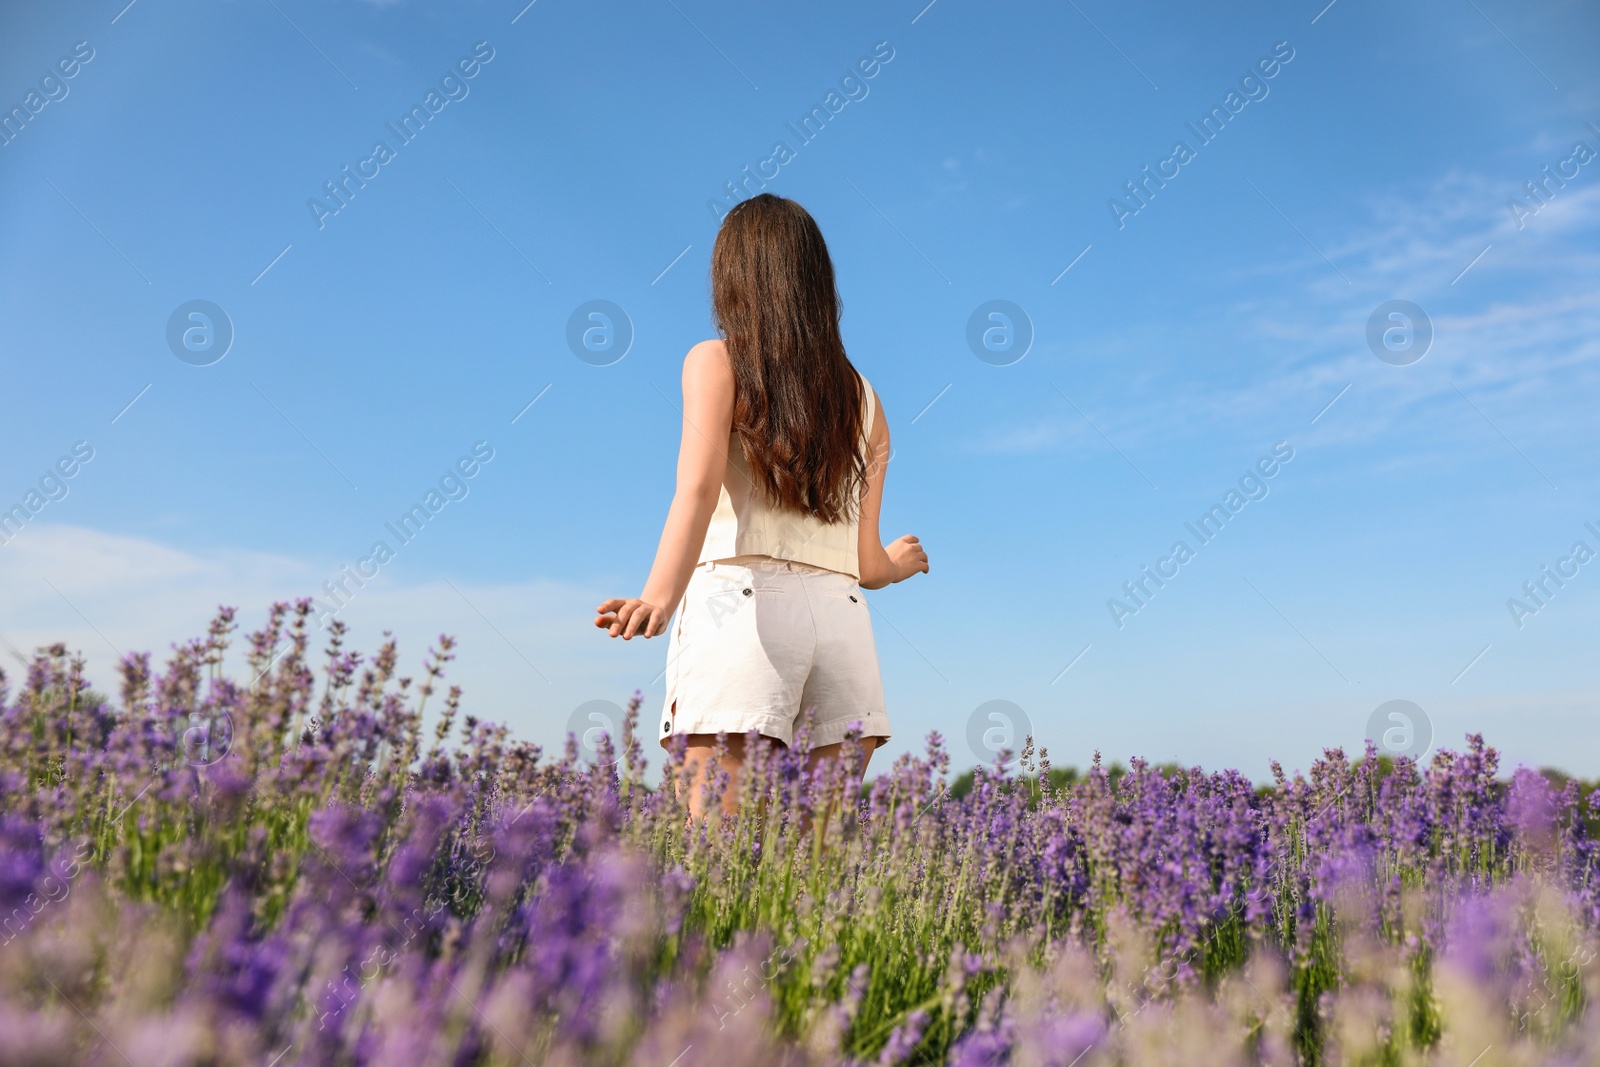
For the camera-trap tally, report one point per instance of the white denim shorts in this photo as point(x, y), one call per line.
point(759, 641)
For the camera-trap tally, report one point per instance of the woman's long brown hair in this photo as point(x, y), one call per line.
point(797, 399)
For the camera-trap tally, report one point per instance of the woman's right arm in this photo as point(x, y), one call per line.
point(708, 397)
point(882, 564)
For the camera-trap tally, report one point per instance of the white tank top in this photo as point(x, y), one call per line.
point(745, 524)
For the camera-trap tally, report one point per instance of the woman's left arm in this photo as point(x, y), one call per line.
point(708, 395)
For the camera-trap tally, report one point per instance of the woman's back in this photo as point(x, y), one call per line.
point(747, 522)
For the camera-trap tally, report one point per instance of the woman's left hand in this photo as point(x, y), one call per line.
point(631, 618)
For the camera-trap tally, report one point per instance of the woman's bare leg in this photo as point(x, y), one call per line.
point(700, 760)
point(819, 756)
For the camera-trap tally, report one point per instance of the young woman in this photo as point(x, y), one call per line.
point(773, 529)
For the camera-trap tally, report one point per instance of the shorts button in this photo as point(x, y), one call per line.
point(747, 592)
point(853, 600)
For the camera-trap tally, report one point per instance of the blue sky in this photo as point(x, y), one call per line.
point(373, 347)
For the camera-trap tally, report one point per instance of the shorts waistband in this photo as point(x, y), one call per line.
point(767, 565)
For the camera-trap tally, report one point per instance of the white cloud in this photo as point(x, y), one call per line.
point(1041, 435)
point(1518, 333)
point(106, 594)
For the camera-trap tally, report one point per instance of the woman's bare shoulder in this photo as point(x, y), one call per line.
point(706, 368)
point(708, 356)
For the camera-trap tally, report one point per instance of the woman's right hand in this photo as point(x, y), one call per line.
point(907, 556)
point(630, 618)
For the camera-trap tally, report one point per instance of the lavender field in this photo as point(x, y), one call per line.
point(287, 868)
